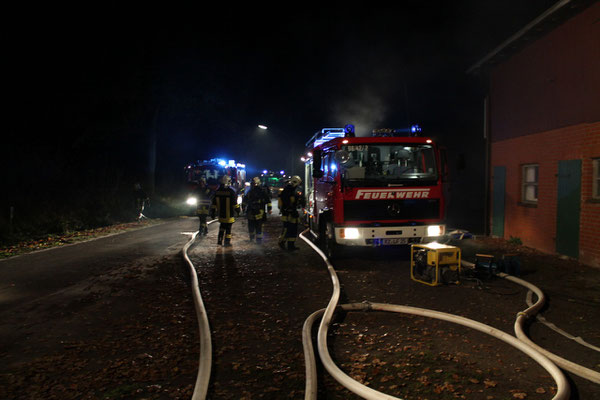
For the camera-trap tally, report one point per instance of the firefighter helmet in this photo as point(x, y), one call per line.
point(226, 180)
point(256, 181)
point(295, 181)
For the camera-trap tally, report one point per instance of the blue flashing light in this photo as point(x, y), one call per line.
point(282, 172)
point(333, 167)
point(265, 171)
point(222, 163)
point(413, 130)
point(329, 133)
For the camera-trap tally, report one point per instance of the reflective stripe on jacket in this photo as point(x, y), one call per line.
point(204, 200)
point(225, 204)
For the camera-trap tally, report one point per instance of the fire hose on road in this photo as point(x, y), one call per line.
point(563, 389)
point(530, 312)
point(205, 359)
point(544, 358)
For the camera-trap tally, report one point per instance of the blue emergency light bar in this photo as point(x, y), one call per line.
point(325, 135)
point(219, 161)
point(413, 130)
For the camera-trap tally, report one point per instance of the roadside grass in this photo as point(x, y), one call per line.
point(57, 240)
point(57, 226)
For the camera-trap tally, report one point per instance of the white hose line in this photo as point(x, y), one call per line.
point(563, 389)
point(310, 363)
point(334, 371)
point(531, 311)
point(543, 320)
point(521, 320)
point(562, 384)
point(205, 358)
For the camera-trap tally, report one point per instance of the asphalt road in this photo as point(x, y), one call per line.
point(116, 310)
point(32, 276)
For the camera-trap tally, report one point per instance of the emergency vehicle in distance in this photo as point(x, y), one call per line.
point(212, 170)
point(386, 189)
point(274, 181)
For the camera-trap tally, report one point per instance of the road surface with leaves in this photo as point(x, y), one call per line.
point(130, 331)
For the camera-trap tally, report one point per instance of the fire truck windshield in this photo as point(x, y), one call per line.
point(209, 172)
point(396, 163)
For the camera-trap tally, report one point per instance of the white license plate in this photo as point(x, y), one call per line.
point(393, 241)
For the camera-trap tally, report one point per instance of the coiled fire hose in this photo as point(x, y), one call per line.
point(356, 387)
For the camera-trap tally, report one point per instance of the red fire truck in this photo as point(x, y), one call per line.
point(386, 189)
point(212, 170)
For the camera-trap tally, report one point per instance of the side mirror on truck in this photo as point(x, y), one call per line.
point(342, 157)
point(316, 165)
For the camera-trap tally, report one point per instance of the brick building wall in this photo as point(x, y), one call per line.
point(536, 225)
point(544, 107)
point(551, 83)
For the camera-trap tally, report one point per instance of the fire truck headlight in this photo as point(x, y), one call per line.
point(435, 230)
point(191, 201)
point(350, 233)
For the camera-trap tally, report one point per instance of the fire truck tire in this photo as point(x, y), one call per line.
point(330, 247)
point(321, 236)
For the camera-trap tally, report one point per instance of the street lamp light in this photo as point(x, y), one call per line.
point(263, 127)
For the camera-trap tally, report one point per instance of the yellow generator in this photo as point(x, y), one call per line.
point(434, 264)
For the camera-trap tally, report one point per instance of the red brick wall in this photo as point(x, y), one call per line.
point(536, 226)
point(551, 83)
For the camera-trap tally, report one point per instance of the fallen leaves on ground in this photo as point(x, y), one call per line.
point(56, 240)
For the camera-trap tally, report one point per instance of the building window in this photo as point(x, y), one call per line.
point(596, 179)
point(529, 184)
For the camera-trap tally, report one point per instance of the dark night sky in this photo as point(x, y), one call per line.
point(90, 83)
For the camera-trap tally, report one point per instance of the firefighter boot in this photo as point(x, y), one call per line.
point(291, 246)
point(220, 238)
point(282, 245)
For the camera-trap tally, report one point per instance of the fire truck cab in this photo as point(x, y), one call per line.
point(386, 189)
point(212, 170)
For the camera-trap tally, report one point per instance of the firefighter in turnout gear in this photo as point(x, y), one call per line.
point(203, 208)
point(289, 201)
point(225, 208)
point(254, 203)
